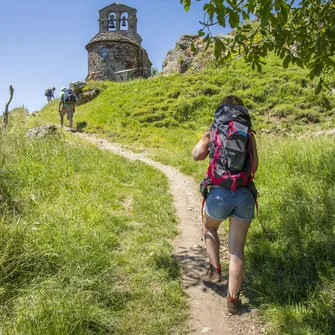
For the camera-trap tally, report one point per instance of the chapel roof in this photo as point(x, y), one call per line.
point(111, 36)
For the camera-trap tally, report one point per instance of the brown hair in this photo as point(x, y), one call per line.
point(232, 100)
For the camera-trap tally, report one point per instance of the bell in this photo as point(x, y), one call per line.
point(124, 24)
point(111, 22)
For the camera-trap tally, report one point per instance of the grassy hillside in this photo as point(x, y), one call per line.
point(290, 258)
point(153, 113)
point(280, 100)
point(84, 241)
point(290, 248)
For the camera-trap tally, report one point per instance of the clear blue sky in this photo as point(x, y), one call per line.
point(43, 42)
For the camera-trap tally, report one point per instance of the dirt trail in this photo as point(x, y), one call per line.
point(207, 304)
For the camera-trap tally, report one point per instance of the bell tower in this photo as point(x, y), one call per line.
point(115, 53)
point(120, 19)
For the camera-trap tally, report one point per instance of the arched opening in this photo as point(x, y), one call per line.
point(112, 22)
point(124, 21)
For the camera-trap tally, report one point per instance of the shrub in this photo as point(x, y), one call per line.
point(95, 85)
point(309, 115)
point(152, 117)
point(168, 123)
point(284, 110)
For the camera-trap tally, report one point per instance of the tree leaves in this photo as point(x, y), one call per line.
point(303, 35)
point(318, 86)
point(330, 61)
point(284, 12)
point(265, 13)
point(245, 15)
point(318, 69)
point(234, 19)
point(187, 4)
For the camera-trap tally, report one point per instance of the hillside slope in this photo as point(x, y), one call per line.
point(153, 113)
point(290, 267)
point(278, 99)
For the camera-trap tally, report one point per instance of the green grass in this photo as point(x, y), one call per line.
point(84, 242)
point(290, 258)
point(290, 249)
point(278, 99)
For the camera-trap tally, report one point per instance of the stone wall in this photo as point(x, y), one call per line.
point(145, 62)
point(119, 56)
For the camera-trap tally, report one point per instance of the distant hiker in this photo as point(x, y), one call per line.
point(50, 93)
point(232, 151)
point(67, 105)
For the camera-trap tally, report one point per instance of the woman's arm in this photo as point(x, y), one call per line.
point(201, 150)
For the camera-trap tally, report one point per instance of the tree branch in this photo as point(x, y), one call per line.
point(5, 120)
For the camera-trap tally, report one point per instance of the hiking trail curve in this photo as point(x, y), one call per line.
point(208, 313)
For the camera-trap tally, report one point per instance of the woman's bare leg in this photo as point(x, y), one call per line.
point(237, 234)
point(212, 241)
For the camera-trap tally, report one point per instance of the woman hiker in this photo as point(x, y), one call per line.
point(228, 196)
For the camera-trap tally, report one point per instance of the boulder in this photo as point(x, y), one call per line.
point(83, 98)
point(77, 86)
point(179, 59)
point(43, 131)
point(182, 57)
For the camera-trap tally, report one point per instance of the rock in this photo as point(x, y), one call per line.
point(182, 57)
point(185, 41)
point(77, 86)
point(205, 330)
point(83, 98)
point(43, 131)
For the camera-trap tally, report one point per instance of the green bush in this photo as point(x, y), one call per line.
point(284, 110)
point(308, 115)
point(168, 123)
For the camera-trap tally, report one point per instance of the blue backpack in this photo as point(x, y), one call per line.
point(48, 92)
point(69, 97)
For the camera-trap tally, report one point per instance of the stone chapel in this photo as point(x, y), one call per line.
point(115, 53)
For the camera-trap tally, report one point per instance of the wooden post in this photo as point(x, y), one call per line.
point(5, 119)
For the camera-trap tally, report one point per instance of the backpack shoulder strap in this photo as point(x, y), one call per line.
point(251, 154)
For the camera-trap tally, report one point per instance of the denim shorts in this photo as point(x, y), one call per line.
point(222, 203)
